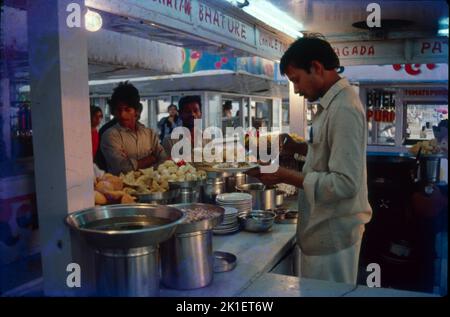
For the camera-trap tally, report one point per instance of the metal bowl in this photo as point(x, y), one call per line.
point(257, 220)
point(161, 198)
point(287, 217)
point(224, 261)
point(202, 225)
point(125, 226)
point(188, 184)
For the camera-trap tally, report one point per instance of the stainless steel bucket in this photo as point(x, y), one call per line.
point(263, 197)
point(189, 195)
point(187, 260)
point(430, 168)
point(234, 180)
point(212, 188)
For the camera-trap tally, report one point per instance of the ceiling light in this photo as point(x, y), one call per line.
point(93, 21)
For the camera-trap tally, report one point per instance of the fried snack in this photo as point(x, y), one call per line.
point(100, 199)
point(127, 199)
point(114, 195)
point(128, 179)
point(129, 191)
point(114, 180)
point(427, 147)
point(104, 187)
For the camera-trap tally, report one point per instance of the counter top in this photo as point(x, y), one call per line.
point(277, 285)
point(256, 254)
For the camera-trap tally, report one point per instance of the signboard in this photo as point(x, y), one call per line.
point(392, 51)
point(441, 92)
point(269, 43)
point(206, 21)
point(214, 20)
point(220, 26)
point(397, 73)
point(430, 48)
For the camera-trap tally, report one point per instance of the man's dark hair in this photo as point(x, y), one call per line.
point(303, 51)
point(94, 109)
point(125, 92)
point(188, 99)
point(172, 106)
point(227, 105)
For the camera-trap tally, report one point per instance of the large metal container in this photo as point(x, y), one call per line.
point(125, 239)
point(430, 167)
point(263, 197)
point(187, 258)
point(190, 195)
point(234, 180)
point(212, 188)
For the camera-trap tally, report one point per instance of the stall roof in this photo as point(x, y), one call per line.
point(408, 32)
point(216, 80)
point(213, 25)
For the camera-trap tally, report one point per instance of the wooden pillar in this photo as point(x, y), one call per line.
point(61, 132)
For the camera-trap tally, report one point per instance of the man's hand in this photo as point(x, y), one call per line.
point(288, 146)
point(146, 161)
point(282, 175)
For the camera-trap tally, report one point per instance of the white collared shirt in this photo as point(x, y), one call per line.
point(334, 203)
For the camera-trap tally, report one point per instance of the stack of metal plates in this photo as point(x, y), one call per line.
point(230, 222)
point(233, 203)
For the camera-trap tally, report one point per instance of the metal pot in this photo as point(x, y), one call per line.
point(187, 260)
point(279, 198)
point(233, 180)
point(212, 188)
point(125, 239)
point(263, 197)
point(189, 195)
point(430, 168)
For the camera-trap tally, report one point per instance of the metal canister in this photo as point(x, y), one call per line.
point(190, 195)
point(263, 197)
point(430, 168)
point(234, 180)
point(212, 188)
point(187, 260)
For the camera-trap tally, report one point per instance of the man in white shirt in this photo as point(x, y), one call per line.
point(333, 201)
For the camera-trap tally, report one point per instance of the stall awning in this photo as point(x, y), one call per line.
point(217, 80)
point(211, 25)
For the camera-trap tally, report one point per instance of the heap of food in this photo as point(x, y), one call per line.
point(429, 147)
point(195, 214)
point(110, 189)
point(147, 181)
